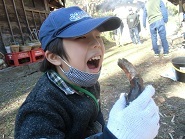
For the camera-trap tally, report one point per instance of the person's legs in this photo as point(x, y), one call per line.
point(162, 34)
point(117, 36)
point(153, 32)
point(137, 35)
point(121, 28)
point(121, 34)
point(132, 35)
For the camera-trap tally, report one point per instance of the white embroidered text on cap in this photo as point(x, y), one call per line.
point(78, 15)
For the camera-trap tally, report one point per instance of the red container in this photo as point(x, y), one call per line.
point(37, 54)
point(19, 58)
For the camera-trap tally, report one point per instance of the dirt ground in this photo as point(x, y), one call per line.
point(170, 95)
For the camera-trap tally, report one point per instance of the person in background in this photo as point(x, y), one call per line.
point(118, 34)
point(183, 21)
point(65, 102)
point(157, 15)
point(133, 22)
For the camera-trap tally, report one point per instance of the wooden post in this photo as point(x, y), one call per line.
point(25, 15)
point(2, 37)
point(8, 20)
point(34, 20)
point(46, 6)
point(18, 21)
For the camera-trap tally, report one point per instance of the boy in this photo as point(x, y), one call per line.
point(65, 101)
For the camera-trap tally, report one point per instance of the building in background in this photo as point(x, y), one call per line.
point(20, 20)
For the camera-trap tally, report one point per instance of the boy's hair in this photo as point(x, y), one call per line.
point(55, 47)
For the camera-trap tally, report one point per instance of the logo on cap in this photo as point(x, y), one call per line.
point(78, 15)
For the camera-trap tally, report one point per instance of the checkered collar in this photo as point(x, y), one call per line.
point(59, 82)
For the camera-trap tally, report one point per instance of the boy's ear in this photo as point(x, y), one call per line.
point(53, 58)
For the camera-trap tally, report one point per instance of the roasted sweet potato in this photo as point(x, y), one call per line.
point(136, 82)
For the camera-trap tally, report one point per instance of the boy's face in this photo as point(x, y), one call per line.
point(85, 52)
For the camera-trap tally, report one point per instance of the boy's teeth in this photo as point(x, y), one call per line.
point(95, 58)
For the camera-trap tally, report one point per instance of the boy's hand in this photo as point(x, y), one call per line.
point(139, 120)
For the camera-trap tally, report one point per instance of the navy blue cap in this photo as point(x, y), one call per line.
point(72, 22)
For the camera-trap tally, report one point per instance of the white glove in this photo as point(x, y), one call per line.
point(139, 120)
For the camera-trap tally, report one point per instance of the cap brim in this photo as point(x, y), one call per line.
point(87, 25)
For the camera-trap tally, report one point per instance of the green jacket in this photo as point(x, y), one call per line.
point(154, 10)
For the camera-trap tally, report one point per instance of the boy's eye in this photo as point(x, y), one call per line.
point(81, 37)
point(98, 37)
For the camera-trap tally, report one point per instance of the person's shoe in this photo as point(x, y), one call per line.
point(139, 43)
point(156, 55)
point(166, 55)
point(134, 43)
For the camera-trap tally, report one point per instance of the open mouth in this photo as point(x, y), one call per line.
point(93, 62)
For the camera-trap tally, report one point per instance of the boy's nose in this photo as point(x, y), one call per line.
point(96, 43)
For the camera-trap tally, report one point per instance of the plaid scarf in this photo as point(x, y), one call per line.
point(59, 82)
